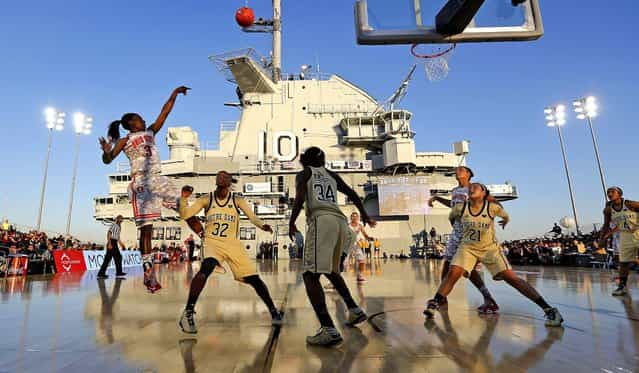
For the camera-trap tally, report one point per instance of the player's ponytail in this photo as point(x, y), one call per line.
point(114, 130)
point(114, 127)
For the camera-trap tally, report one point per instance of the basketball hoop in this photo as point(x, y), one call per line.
point(435, 63)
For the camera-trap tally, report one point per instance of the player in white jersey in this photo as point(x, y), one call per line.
point(625, 216)
point(459, 195)
point(327, 237)
point(357, 251)
point(149, 191)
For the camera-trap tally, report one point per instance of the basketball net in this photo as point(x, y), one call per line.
point(435, 63)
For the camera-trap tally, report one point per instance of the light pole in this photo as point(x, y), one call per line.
point(586, 108)
point(556, 117)
point(83, 125)
point(55, 121)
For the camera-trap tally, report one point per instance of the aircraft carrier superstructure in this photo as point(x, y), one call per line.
point(364, 141)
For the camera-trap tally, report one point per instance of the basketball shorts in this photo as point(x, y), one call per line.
point(233, 254)
point(358, 253)
point(628, 247)
point(327, 237)
point(148, 194)
point(491, 257)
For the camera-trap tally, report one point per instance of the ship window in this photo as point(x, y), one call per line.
point(247, 233)
point(303, 107)
point(174, 233)
point(158, 233)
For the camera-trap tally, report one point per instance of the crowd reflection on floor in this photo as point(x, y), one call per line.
point(73, 322)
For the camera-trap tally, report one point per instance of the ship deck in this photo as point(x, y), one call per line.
point(73, 323)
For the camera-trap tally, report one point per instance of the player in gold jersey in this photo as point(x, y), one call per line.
point(479, 244)
point(221, 244)
point(625, 215)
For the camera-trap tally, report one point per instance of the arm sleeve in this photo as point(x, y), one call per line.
point(246, 209)
point(187, 211)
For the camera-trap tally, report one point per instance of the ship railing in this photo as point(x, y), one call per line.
point(306, 76)
point(220, 61)
point(348, 109)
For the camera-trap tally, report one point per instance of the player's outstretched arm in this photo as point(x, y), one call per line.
point(187, 211)
point(498, 211)
point(352, 195)
point(443, 201)
point(166, 109)
point(300, 195)
point(248, 211)
point(632, 205)
point(109, 152)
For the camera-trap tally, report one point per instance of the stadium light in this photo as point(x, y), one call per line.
point(556, 117)
point(586, 108)
point(54, 120)
point(82, 124)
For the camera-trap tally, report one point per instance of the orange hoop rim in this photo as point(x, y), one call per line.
point(433, 55)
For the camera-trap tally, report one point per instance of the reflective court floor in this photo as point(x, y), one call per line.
point(74, 323)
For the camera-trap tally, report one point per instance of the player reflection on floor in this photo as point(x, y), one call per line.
point(478, 357)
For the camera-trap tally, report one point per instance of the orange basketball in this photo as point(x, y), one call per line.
point(244, 16)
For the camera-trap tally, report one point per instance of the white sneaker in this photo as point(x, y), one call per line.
point(620, 291)
point(187, 322)
point(325, 337)
point(553, 317)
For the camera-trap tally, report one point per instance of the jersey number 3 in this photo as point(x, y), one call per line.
point(220, 229)
point(324, 192)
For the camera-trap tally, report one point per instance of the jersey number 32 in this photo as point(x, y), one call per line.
point(324, 192)
point(220, 229)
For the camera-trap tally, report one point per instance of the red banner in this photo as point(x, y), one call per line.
point(69, 261)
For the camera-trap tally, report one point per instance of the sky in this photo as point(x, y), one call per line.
point(108, 58)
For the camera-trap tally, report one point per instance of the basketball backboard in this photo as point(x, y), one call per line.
point(413, 21)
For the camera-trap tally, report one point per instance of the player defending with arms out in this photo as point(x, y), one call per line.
point(221, 244)
point(625, 215)
point(149, 190)
point(327, 237)
point(479, 244)
point(459, 196)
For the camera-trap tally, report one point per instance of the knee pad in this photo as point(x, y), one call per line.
point(208, 266)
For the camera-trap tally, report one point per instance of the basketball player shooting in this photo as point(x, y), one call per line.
point(149, 190)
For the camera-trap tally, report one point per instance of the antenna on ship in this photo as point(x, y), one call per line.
point(245, 18)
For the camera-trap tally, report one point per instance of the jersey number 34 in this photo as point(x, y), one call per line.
point(324, 192)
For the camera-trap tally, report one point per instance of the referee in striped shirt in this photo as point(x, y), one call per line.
point(113, 250)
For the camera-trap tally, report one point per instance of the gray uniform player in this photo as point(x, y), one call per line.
point(328, 235)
